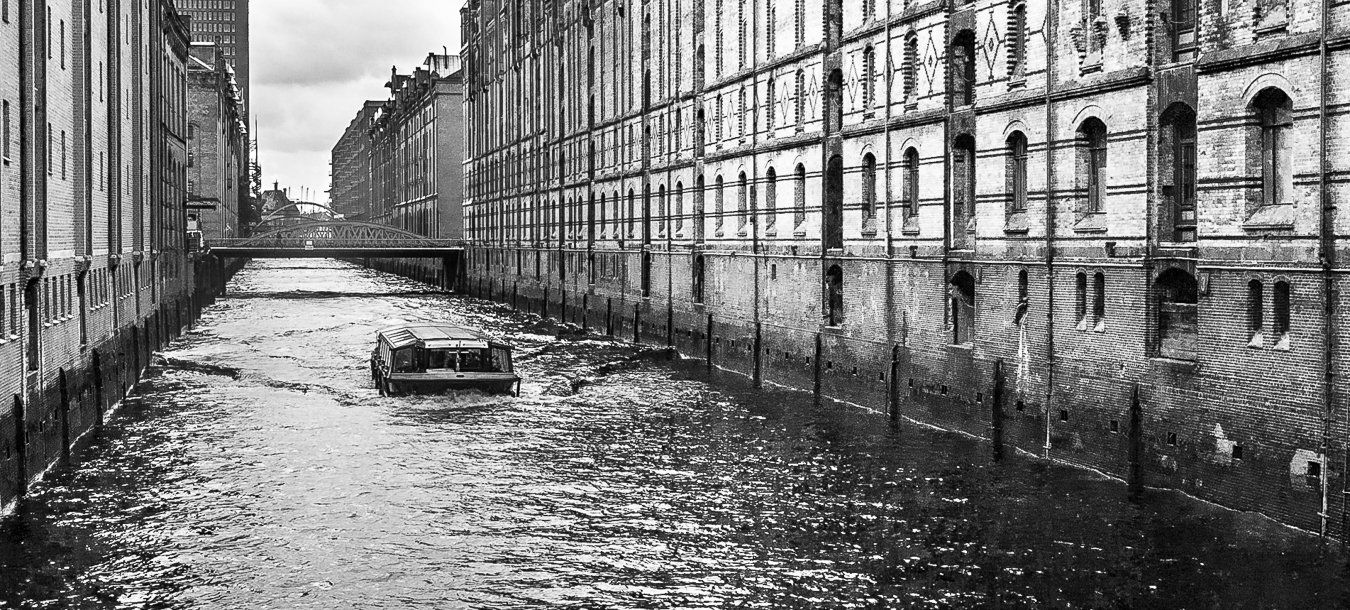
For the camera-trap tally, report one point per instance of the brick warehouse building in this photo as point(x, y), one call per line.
point(94, 269)
point(416, 169)
point(888, 201)
point(217, 144)
point(350, 192)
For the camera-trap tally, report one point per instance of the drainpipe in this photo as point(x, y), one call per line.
point(1328, 260)
point(890, 228)
point(1051, 22)
point(756, 260)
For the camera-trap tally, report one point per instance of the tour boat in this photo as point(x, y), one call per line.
point(429, 358)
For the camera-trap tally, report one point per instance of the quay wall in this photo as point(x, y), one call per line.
point(1138, 221)
point(1228, 430)
point(87, 363)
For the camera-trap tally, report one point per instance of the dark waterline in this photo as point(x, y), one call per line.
point(652, 486)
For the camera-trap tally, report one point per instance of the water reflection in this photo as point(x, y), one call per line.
point(648, 485)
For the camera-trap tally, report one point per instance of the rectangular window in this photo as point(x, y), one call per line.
point(1081, 301)
point(7, 133)
point(1099, 301)
point(912, 182)
point(1282, 314)
point(1255, 312)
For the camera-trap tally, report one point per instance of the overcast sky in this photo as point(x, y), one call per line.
point(315, 61)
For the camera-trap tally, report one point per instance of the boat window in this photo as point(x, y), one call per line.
point(403, 361)
point(501, 360)
point(456, 360)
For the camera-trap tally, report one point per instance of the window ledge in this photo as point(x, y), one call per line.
point(799, 233)
point(1271, 217)
point(1257, 341)
point(1183, 366)
point(1019, 82)
point(1272, 29)
point(1092, 222)
point(1016, 230)
point(967, 347)
point(1099, 328)
point(1283, 344)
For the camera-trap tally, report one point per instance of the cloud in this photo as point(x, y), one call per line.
point(314, 62)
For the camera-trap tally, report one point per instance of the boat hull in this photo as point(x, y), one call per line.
point(416, 383)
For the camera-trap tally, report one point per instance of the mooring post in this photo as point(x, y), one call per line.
point(893, 396)
point(758, 378)
point(819, 370)
point(996, 415)
point(708, 342)
point(1136, 482)
point(65, 416)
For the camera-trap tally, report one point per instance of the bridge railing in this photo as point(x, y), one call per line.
point(301, 243)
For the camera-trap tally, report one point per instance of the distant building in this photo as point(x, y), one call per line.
point(216, 144)
point(415, 161)
point(350, 189)
point(224, 22)
point(168, 157)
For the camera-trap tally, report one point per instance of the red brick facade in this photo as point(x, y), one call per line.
point(1171, 155)
point(95, 274)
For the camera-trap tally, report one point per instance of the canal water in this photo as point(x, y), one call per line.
point(259, 468)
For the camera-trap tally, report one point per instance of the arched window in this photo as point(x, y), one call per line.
point(1017, 41)
point(719, 204)
point(1281, 314)
point(799, 25)
point(602, 222)
point(869, 187)
point(1092, 164)
point(742, 201)
point(770, 106)
point(679, 206)
point(912, 182)
point(962, 308)
point(1178, 319)
point(1023, 296)
point(911, 68)
point(661, 211)
point(869, 78)
point(770, 30)
point(1080, 301)
point(834, 296)
point(700, 211)
point(1256, 312)
point(799, 197)
point(1017, 172)
point(770, 198)
point(1275, 110)
point(1099, 301)
point(632, 212)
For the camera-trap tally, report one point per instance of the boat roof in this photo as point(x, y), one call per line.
point(434, 336)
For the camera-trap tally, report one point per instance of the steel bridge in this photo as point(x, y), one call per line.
point(338, 239)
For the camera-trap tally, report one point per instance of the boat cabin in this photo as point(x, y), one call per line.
point(433, 358)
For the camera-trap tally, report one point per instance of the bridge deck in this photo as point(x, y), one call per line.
point(261, 251)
